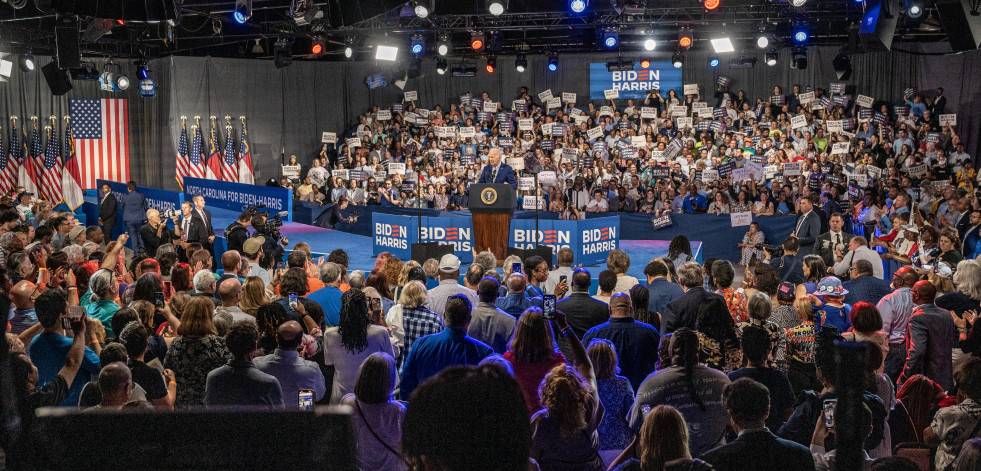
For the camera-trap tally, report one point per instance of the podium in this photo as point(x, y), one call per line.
point(492, 206)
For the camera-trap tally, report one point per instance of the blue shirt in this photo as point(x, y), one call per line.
point(836, 317)
point(22, 320)
point(636, 346)
point(48, 352)
point(329, 298)
point(431, 354)
point(691, 204)
point(662, 292)
point(515, 304)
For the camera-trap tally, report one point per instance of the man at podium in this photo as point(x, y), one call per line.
point(497, 172)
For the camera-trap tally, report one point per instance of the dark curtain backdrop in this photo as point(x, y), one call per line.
point(288, 109)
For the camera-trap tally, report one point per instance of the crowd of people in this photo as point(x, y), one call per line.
point(709, 365)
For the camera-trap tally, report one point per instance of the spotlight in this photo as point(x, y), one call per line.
point(243, 11)
point(148, 89)
point(122, 82)
point(914, 8)
point(418, 44)
point(649, 44)
point(283, 52)
point(645, 64)
point(714, 62)
point(678, 59)
point(798, 3)
point(520, 63)
point(609, 38)
point(386, 53)
point(349, 43)
point(26, 62)
point(685, 37)
point(443, 46)
point(491, 64)
point(113, 82)
point(477, 41)
point(497, 7)
point(141, 71)
point(422, 8)
point(843, 66)
point(577, 6)
point(771, 57)
point(763, 39)
point(553, 62)
point(317, 45)
point(440, 66)
point(348, 52)
point(6, 67)
point(800, 33)
point(722, 45)
point(711, 4)
point(799, 57)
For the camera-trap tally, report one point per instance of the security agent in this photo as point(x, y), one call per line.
point(332, 215)
point(237, 232)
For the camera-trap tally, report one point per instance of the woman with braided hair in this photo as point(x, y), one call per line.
point(349, 344)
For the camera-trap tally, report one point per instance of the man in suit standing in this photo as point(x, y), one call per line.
point(963, 221)
point(682, 312)
point(497, 172)
point(748, 404)
point(832, 241)
point(930, 337)
point(940, 102)
point(863, 285)
point(192, 229)
point(972, 237)
point(134, 215)
point(582, 311)
point(208, 237)
point(808, 227)
point(107, 211)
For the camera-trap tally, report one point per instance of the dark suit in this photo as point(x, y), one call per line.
point(866, 288)
point(582, 313)
point(760, 450)
point(807, 228)
point(196, 231)
point(107, 214)
point(824, 246)
point(963, 224)
point(683, 312)
point(209, 230)
point(505, 174)
point(939, 104)
point(930, 336)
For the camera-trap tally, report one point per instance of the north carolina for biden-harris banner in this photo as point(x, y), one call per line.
point(591, 240)
point(660, 75)
point(235, 196)
point(396, 234)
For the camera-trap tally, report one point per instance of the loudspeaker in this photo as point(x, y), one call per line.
point(878, 27)
point(57, 78)
point(66, 38)
point(963, 28)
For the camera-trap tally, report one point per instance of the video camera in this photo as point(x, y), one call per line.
point(253, 209)
point(774, 250)
point(170, 214)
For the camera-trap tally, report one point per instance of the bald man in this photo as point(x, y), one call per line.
point(23, 295)
point(156, 233)
point(116, 386)
point(930, 338)
point(294, 373)
point(896, 309)
point(497, 172)
point(230, 294)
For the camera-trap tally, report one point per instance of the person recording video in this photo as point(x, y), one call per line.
point(237, 232)
point(332, 215)
point(156, 233)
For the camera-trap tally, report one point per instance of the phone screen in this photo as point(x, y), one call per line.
point(829, 412)
point(293, 300)
point(281, 266)
point(306, 399)
point(168, 288)
point(563, 278)
point(548, 306)
point(159, 301)
point(516, 267)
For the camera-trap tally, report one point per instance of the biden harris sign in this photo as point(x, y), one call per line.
point(660, 75)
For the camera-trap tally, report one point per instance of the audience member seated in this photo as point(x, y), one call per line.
point(631, 338)
point(377, 418)
point(240, 383)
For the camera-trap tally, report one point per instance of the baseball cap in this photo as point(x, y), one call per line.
point(786, 291)
point(252, 245)
point(449, 263)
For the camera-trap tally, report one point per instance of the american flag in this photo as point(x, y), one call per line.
point(53, 168)
point(213, 160)
point(183, 166)
point(102, 139)
point(196, 170)
point(8, 162)
point(245, 173)
point(27, 176)
point(228, 164)
point(71, 182)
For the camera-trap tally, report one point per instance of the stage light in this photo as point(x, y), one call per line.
point(477, 41)
point(6, 67)
point(26, 62)
point(148, 89)
point(553, 62)
point(800, 33)
point(317, 45)
point(283, 52)
point(714, 62)
point(141, 70)
point(843, 66)
point(440, 66)
point(722, 45)
point(443, 46)
point(422, 8)
point(762, 39)
point(577, 6)
point(644, 64)
point(520, 63)
point(798, 57)
point(491, 64)
point(914, 8)
point(122, 82)
point(349, 43)
point(711, 4)
point(418, 44)
point(685, 37)
point(771, 57)
point(243, 11)
point(609, 38)
point(678, 59)
point(798, 3)
point(386, 53)
point(497, 7)
point(649, 44)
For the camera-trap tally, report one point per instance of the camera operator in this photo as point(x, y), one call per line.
point(789, 267)
point(268, 228)
point(332, 215)
point(156, 233)
point(237, 232)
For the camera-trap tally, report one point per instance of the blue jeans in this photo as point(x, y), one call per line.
point(133, 228)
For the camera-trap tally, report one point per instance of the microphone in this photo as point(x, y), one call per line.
point(282, 214)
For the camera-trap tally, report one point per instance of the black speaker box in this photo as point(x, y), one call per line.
point(57, 78)
point(69, 55)
point(963, 29)
point(878, 26)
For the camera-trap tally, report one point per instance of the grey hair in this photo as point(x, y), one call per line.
point(967, 278)
point(203, 280)
point(7, 238)
point(690, 274)
point(331, 273)
point(165, 248)
point(356, 279)
point(74, 254)
point(759, 306)
point(89, 247)
point(508, 263)
point(101, 284)
point(498, 359)
point(486, 259)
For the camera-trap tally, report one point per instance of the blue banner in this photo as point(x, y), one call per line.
point(598, 237)
point(454, 231)
point(394, 234)
point(160, 200)
point(556, 234)
point(235, 196)
point(660, 75)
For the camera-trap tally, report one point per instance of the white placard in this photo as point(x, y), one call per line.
point(691, 89)
point(411, 96)
point(638, 141)
point(569, 153)
point(547, 177)
point(806, 98)
point(329, 138)
point(697, 105)
point(918, 170)
point(545, 95)
point(293, 171)
point(647, 112)
point(554, 102)
point(679, 110)
point(384, 115)
point(340, 173)
point(683, 122)
point(861, 180)
point(396, 168)
point(770, 171)
point(580, 118)
point(611, 94)
point(798, 121)
point(353, 142)
point(445, 131)
point(874, 172)
point(741, 174)
point(526, 183)
point(595, 133)
point(836, 125)
point(526, 124)
point(839, 148)
point(516, 163)
point(490, 106)
point(864, 101)
point(529, 202)
point(744, 218)
point(755, 170)
point(710, 175)
point(547, 128)
point(468, 132)
point(939, 185)
point(606, 110)
point(791, 169)
point(704, 112)
point(568, 97)
point(946, 119)
point(423, 112)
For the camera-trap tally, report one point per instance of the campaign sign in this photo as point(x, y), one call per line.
point(744, 218)
point(950, 118)
point(556, 234)
point(411, 96)
point(791, 169)
point(660, 75)
point(598, 237)
point(161, 200)
point(455, 231)
point(798, 121)
point(661, 222)
point(232, 196)
point(329, 138)
point(395, 234)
